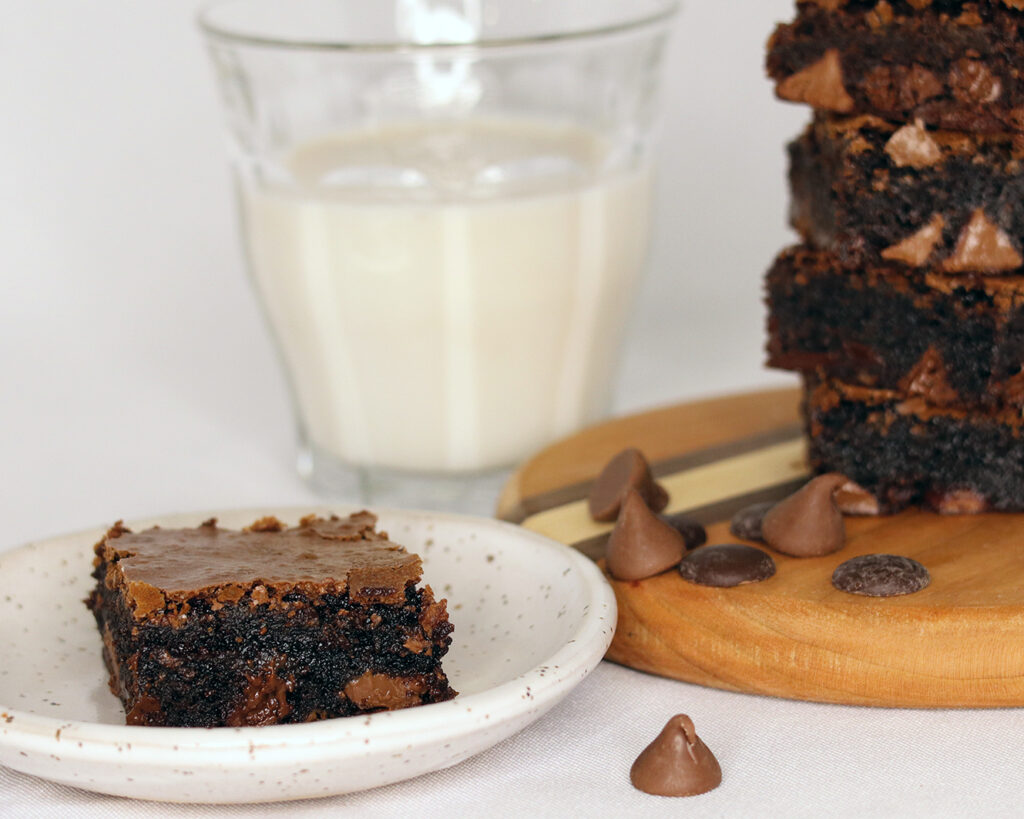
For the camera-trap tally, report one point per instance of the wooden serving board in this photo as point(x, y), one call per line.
point(957, 643)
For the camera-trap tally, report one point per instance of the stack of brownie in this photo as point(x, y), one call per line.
point(904, 307)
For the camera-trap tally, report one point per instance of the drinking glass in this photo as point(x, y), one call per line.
point(445, 208)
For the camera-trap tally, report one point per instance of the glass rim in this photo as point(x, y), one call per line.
point(227, 34)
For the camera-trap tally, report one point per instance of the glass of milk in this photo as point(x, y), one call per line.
point(445, 208)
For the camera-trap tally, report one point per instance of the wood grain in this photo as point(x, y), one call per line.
point(957, 643)
point(661, 434)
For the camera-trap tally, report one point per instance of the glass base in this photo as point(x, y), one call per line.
point(474, 493)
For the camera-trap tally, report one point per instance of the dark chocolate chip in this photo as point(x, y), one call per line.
point(880, 576)
point(746, 523)
point(693, 533)
point(730, 564)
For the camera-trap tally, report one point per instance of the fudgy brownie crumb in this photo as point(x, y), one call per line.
point(874, 192)
point(950, 339)
point(904, 451)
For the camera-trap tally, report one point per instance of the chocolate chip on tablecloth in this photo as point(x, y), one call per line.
point(677, 763)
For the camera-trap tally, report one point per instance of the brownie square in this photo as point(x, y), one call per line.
point(873, 192)
point(951, 339)
point(951, 63)
point(213, 627)
point(905, 451)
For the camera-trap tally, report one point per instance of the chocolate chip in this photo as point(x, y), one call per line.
point(880, 576)
point(854, 499)
point(677, 763)
point(746, 523)
point(627, 470)
point(642, 545)
point(807, 523)
point(693, 533)
point(957, 502)
point(973, 83)
point(730, 564)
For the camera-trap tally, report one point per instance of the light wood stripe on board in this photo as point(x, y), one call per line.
point(693, 488)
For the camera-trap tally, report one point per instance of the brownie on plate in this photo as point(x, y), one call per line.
point(951, 63)
point(905, 451)
point(874, 191)
point(215, 627)
point(954, 340)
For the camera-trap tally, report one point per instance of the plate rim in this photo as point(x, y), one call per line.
point(575, 659)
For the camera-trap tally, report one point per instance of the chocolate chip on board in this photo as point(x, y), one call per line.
point(693, 533)
point(627, 470)
point(807, 523)
point(880, 576)
point(727, 565)
point(641, 544)
point(746, 523)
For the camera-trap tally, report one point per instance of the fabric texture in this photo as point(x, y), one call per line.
point(778, 758)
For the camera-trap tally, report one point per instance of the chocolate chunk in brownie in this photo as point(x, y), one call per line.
point(872, 192)
point(212, 627)
point(906, 451)
point(951, 63)
point(950, 339)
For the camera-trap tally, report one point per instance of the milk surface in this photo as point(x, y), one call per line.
point(448, 297)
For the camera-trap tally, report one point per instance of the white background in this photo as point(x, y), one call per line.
point(136, 379)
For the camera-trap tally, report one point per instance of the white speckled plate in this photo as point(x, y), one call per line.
point(532, 619)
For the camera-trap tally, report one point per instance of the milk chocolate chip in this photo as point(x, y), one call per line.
point(958, 502)
point(677, 763)
point(912, 146)
point(642, 545)
point(820, 84)
point(917, 248)
point(747, 522)
point(983, 247)
point(627, 470)
point(854, 499)
point(928, 379)
point(880, 576)
point(808, 523)
point(881, 15)
point(972, 82)
point(728, 565)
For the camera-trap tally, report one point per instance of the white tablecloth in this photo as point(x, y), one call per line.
point(778, 758)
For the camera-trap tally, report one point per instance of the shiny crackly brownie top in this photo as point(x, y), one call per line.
point(161, 569)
